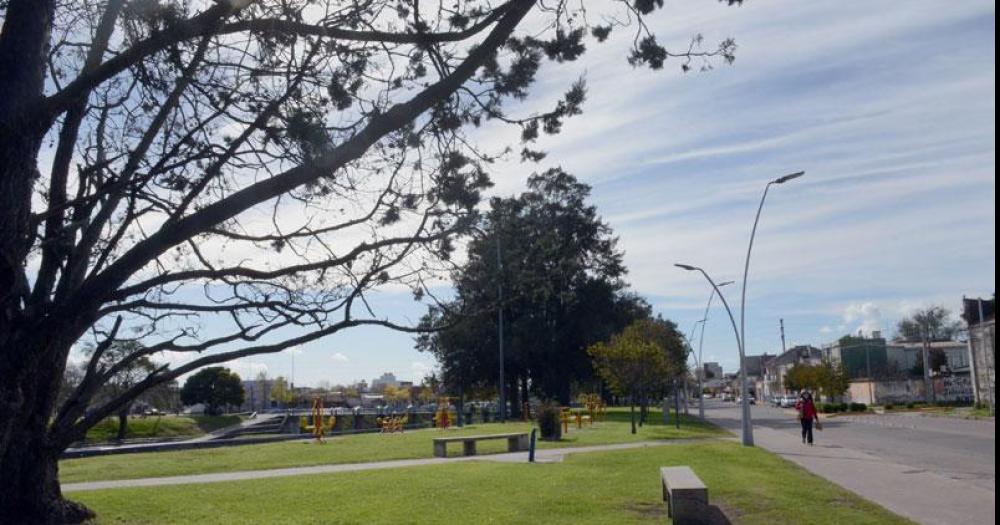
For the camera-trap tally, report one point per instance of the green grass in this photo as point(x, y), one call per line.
point(359, 448)
point(751, 485)
point(160, 426)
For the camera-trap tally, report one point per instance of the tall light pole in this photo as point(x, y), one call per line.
point(503, 398)
point(701, 343)
point(747, 427)
point(743, 291)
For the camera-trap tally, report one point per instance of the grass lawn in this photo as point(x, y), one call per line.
point(359, 448)
point(751, 485)
point(160, 426)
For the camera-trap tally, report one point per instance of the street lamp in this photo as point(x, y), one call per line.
point(701, 342)
point(746, 271)
point(747, 428)
point(502, 409)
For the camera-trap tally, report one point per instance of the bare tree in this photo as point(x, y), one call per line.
point(260, 163)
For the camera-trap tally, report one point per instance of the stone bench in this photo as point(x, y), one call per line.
point(516, 441)
point(686, 496)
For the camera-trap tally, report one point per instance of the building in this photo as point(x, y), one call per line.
point(257, 395)
point(980, 316)
point(755, 373)
point(386, 379)
point(777, 368)
point(712, 371)
point(904, 357)
point(862, 357)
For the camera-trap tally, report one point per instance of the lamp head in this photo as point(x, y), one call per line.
point(687, 267)
point(790, 176)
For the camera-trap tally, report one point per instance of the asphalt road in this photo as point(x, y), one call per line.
point(930, 469)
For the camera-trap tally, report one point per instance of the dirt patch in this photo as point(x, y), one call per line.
point(650, 511)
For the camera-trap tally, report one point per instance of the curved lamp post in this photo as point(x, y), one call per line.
point(701, 343)
point(746, 271)
point(747, 427)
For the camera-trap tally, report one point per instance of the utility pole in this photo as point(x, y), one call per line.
point(925, 353)
point(782, 323)
point(502, 385)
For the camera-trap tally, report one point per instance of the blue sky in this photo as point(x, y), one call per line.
point(888, 107)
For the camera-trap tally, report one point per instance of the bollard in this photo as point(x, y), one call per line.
point(531, 447)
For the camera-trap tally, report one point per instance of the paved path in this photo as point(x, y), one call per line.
point(931, 470)
point(549, 455)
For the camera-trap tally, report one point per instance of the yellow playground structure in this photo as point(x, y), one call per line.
point(316, 423)
point(444, 416)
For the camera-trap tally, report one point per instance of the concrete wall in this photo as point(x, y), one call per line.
point(953, 388)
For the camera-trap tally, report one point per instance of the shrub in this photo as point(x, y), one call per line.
point(889, 406)
point(858, 407)
point(548, 422)
point(910, 405)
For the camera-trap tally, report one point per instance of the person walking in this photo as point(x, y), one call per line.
point(807, 415)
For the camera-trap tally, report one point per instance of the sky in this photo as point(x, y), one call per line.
point(889, 108)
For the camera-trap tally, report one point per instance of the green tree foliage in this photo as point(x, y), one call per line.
point(282, 393)
point(561, 276)
point(215, 386)
point(934, 323)
point(640, 360)
point(826, 378)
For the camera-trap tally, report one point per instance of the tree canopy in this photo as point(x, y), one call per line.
point(641, 360)
point(934, 323)
point(826, 378)
point(215, 386)
point(560, 275)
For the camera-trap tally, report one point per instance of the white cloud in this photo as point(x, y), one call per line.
point(339, 357)
point(421, 370)
point(866, 317)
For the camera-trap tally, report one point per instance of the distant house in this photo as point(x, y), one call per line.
point(755, 373)
point(776, 369)
point(980, 316)
point(905, 356)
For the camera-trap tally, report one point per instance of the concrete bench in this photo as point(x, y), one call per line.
point(686, 496)
point(515, 442)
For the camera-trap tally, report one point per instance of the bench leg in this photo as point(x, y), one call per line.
point(469, 448)
point(440, 450)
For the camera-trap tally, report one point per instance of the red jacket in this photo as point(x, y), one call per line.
point(807, 409)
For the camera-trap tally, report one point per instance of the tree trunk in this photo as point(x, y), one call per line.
point(29, 454)
point(631, 402)
point(513, 398)
point(31, 493)
point(122, 422)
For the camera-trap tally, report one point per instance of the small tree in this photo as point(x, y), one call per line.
point(633, 363)
point(214, 386)
point(281, 392)
point(833, 379)
point(930, 324)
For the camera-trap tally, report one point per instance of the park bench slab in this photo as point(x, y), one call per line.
point(686, 495)
point(516, 441)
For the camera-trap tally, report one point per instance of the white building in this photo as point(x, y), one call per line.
point(387, 379)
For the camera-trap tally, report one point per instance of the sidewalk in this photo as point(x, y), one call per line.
point(923, 496)
point(550, 455)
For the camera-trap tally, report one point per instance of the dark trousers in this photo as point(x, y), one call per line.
point(807, 430)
